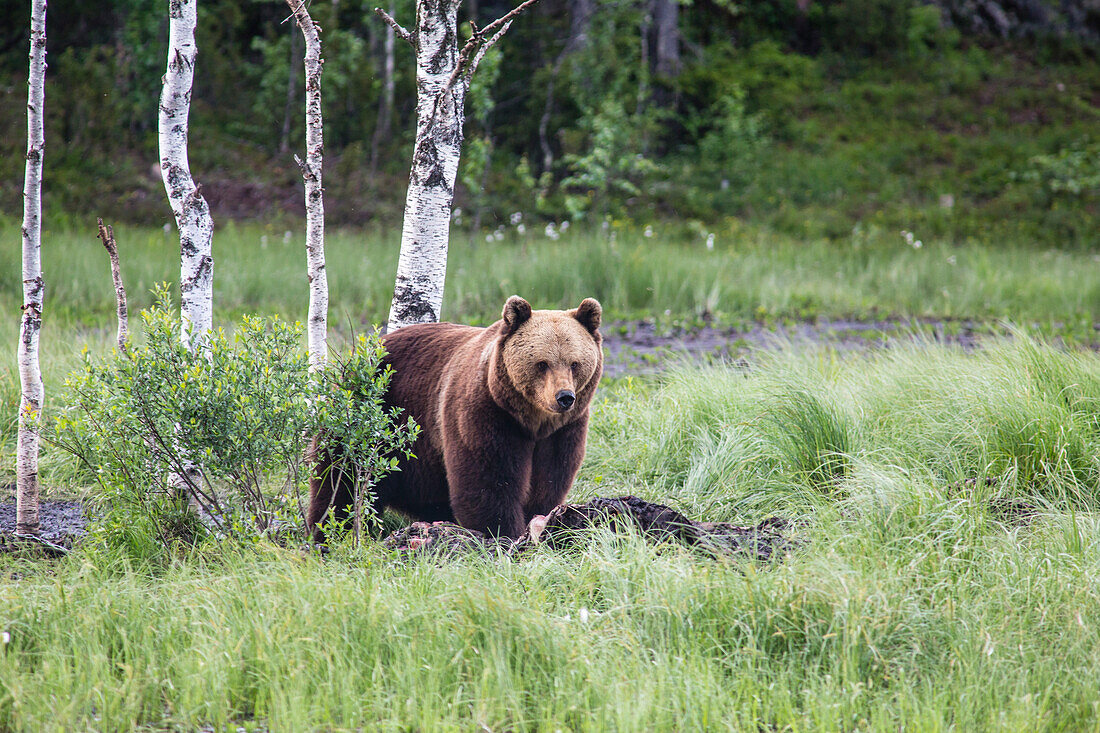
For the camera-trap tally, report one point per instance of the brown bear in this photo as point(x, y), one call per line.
point(503, 413)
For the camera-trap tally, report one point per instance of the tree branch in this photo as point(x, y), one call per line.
point(398, 29)
point(107, 234)
point(489, 44)
point(505, 19)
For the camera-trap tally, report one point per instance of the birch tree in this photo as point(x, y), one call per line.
point(190, 209)
point(443, 74)
point(317, 318)
point(30, 375)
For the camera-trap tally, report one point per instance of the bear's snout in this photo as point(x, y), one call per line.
point(565, 398)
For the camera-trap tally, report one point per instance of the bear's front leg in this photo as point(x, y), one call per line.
point(554, 465)
point(488, 482)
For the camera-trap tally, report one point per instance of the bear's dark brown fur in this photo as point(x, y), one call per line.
point(503, 413)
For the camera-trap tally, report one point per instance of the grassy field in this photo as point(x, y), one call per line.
point(918, 599)
point(750, 272)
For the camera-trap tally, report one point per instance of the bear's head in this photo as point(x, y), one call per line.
point(553, 359)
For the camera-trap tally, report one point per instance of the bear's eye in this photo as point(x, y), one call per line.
point(542, 366)
point(575, 365)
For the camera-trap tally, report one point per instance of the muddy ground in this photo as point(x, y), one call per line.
point(636, 348)
point(63, 523)
point(644, 347)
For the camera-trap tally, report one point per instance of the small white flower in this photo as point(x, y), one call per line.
point(647, 232)
point(710, 241)
point(168, 228)
point(263, 242)
point(516, 218)
point(951, 260)
point(520, 229)
point(287, 236)
point(565, 225)
point(488, 237)
point(457, 213)
point(582, 615)
point(551, 232)
point(5, 638)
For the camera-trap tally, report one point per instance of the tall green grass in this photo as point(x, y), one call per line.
point(750, 273)
point(806, 428)
point(921, 617)
point(912, 604)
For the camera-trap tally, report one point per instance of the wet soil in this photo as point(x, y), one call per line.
point(62, 524)
point(644, 347)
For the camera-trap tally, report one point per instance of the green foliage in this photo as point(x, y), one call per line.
point(351, 415)
point(224, 429)
point(1072, 171)
point(819, 117)
point(925, 32)
point(731, 150)
point(613, 172)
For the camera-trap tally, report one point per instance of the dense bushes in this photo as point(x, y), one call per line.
point(163, 431)
point(779, 113)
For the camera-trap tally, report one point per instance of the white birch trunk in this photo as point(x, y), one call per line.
point(442, 80)
point(317, 318)
point(191, 211)
point(30, 375)
point(425, 231)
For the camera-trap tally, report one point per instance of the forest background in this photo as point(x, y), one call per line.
point(823, 120)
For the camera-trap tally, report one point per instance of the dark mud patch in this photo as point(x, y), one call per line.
point(561, 529)
point(644, 347)
point(62, 524)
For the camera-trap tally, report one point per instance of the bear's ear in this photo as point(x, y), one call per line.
point(516, 312)
point(589, 313)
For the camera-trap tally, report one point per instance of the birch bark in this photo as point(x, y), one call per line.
point(317, 318)
point(442, 80)
point(30, 375)
point(425, 231)
point(191, 211)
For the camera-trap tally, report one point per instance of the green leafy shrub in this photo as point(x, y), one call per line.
point(613, 171)
point(1073, 170)
point(351, 415)
point(223, 430)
